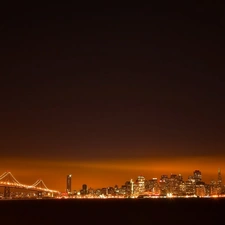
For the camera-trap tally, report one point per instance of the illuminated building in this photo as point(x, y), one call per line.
point(152, 186)
point(111, 191)
point(116, 189)
point(155, 190)
point(164, 178)
point(200, 189)
point(136, 188)
point(141, 184)
point(84, 190)
point(207, 189)
point(182, 189)
point(219, 183)
point(164, 185)
point(179, 177)
point(219, 178)
point(69, 183)
point(173, 176)
point(213, 188)
point(131, 187)
point(191, 178)
point(98, 192)
point(128, 187)
point(91, 191)
point(197, 176)
point(123, 190)
point(174, 183)
point(190, 186)
point(104, 191)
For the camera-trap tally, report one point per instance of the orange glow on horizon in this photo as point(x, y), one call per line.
point(104, 173)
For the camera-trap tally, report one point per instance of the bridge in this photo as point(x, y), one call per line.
point(8, 181)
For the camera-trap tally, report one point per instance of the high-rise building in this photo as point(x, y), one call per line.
point(111, 191)
point(182, 189)
point(84, 189)
point(197, 176)
point(213, 188)
point(174, 183)
point(219, 177)
point(131, 186)
point(200, 189)
point(219, 183)
point(190, 186)
point(69, 183)
point(164, 184)
point(164, 178)
point(154, 186)
point(90, 191)
point(141, 183)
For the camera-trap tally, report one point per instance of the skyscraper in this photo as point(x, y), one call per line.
point(141, 183)
point(69, 183)
point(84, 189)
point(219, 177)
point(197, 176)
point(131, 187)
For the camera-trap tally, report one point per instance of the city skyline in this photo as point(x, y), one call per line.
point(110, 173)
point(107, 93)
point(167, 186)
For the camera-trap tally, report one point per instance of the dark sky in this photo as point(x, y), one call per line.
point(100, 81)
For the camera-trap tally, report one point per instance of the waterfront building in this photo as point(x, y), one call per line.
point(213, 188)
point(98, 192)
point(174, 183)
point(129, 187)
point(200, 189)
point(111, 191)
point(104, 191)
point(69, 184)
point(84, 190)
point(91, 191)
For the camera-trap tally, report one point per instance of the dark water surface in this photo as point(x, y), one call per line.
point(120, 211)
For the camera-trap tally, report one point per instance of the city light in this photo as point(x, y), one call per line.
point(173, 186)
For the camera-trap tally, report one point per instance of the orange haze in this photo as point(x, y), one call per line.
point(107, 172)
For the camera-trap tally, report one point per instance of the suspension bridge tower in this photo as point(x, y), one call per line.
point(8, 180)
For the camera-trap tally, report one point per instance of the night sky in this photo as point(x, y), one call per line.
point(111, 92)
